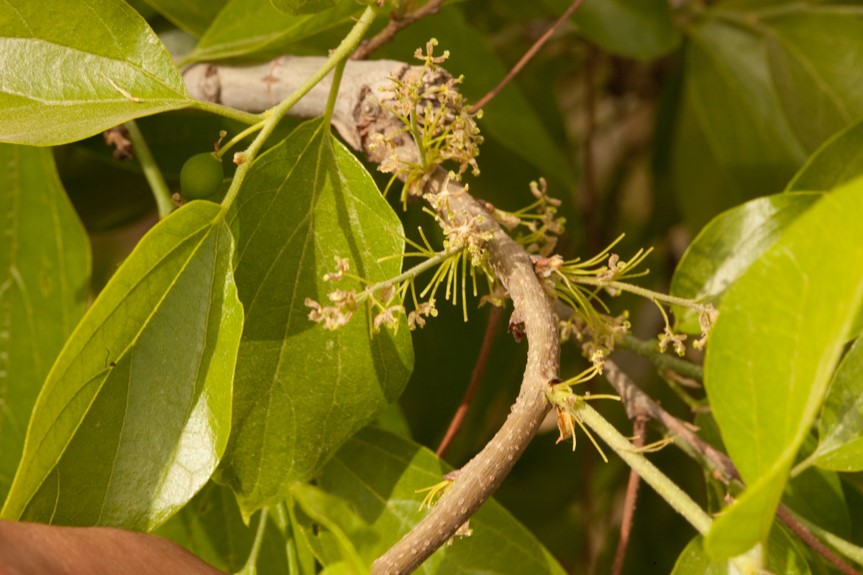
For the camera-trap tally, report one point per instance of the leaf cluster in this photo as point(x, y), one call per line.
point(189, 394)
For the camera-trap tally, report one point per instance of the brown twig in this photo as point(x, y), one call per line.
point(531, 52)
point(639, 428)
point(396, 23)
point(720, 463)
point(482, 475)
point(475, 377)
point(813, 542)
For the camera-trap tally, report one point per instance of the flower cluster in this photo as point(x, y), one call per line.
point(539, 219)
point(579, 285)
point(437, 117)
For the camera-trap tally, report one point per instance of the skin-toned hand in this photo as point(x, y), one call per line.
point(32, 548)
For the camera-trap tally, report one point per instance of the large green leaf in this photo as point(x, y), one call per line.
point(509, 118)
point(783, 556)
point(780, 332)
point(840, 428)
point(768, 85)
point(838, 160)
point(135, 413)
point(74, 68)
point(380, 473)
point(301, 390)
point(255, 27)
point(727, 246)
point(642, 30)
point(193, 16)
point(44, 277)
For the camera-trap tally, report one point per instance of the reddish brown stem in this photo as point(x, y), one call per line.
point(396, 23)
point(636, 401)
point(527, 56)
point(639, 427)
point(813, 542)
point(475, 377)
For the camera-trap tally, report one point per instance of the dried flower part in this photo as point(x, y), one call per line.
point(343, 266)
point(565, 426)
point(118, 137)
point(706, 319)
point(675, 339)
point(416, 318)
point(544, 266)
point(330, 317)
point(389, 317)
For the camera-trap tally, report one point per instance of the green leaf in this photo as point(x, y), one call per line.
point(840, 429)
point(255, 27)
point(75, 68)
point(780, 332)
point(134, 415)
point(380, 473)
point(44, 281)
point(334, 544)
point(642, 30)
point(768, 85)
point(727, 246)
point(839, 160)
point(783, 556)
point(301, 390)
point(211, 527)
point(509, 118)
point(193, 16)
point(302, 6)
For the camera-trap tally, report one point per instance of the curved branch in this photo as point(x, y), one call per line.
point(477, 480)
point(359, 114)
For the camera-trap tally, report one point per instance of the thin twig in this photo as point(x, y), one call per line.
point(638, 402)
point(813, 542)
point(396, 23)
point(475, 377)
point(527, 56)
point(639, 427)
point(483, 474)
point(718, 462)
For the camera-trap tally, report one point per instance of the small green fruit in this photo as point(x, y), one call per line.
point(201, 176)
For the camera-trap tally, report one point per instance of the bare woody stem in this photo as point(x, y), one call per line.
point(481, 476)
point(356, 115)
point(639, 403)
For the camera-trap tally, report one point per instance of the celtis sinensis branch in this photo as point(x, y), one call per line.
point(409, 119)
point(367, 116)
point(363, 117)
